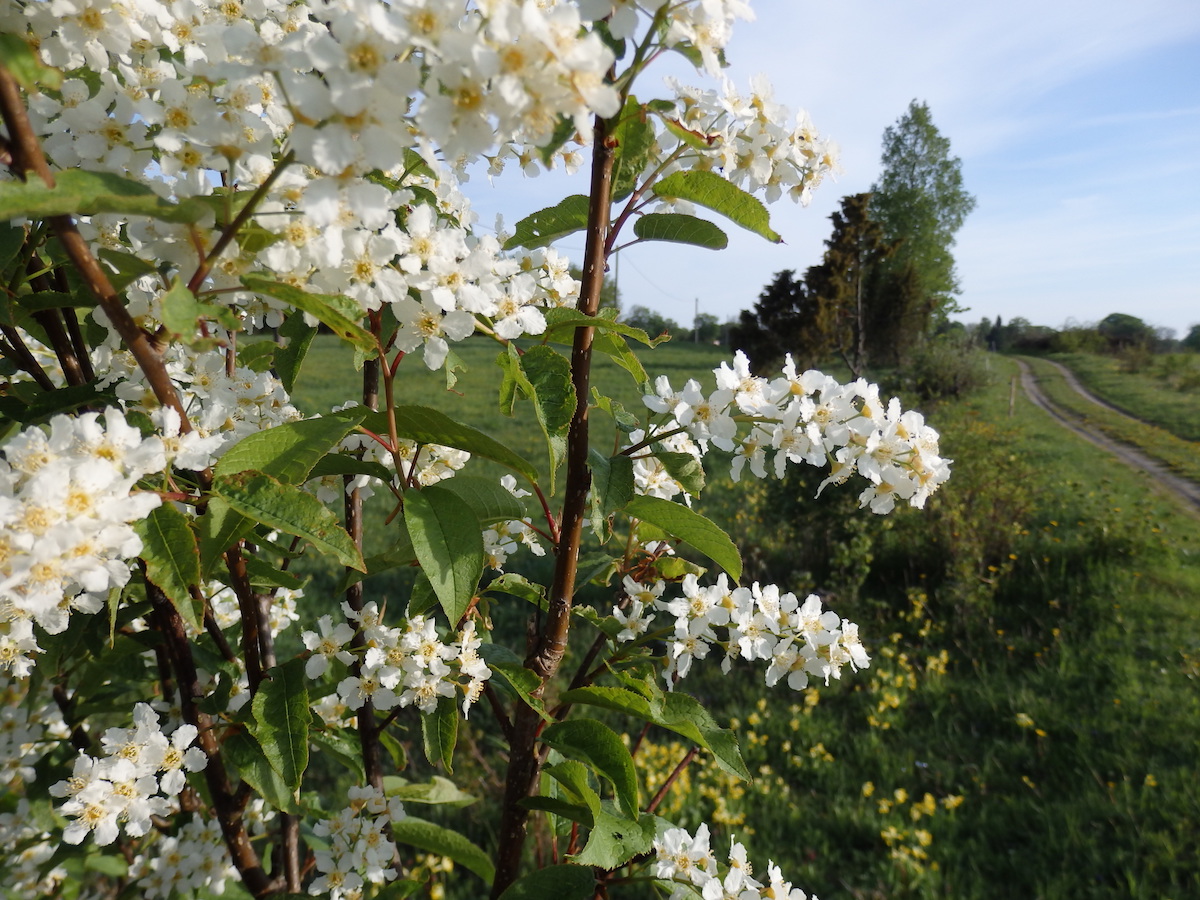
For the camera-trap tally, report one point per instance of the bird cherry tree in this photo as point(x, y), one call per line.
point(185, 177)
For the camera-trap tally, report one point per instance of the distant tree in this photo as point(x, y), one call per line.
point(921, 203)
point(653, 323)
point(706, 328)
point(1192, 341)
point(1123, 331)
point(859, 319)
point(842, 307)
point(787, 318)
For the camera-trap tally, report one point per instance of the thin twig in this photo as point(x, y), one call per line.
point(666, 785)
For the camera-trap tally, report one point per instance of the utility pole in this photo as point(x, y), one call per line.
point(696, 323)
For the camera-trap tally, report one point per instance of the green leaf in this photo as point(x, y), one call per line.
point(12, 239)
point(289, 358)
point(488, 499)
point(181, 310)
point(555, 806)
point(710, 190)
point(287, 508)
point(281, 720)
point(339, 314)
point(448, 542)
point(562, 882)
point(288, 452)
point(219, 529)
point(561, 323)
point(345, 464)
point(439, 733)
point(597, 745)
point(616, 839)
point(685, 715)
point(426, 425)
point(438, 791)
point(684, 468)
point(675, 711)
point(78, 192)
point(338, 745)
point(20, 60)
point(697, 139)
point(563, 132)
point(680, 229)
point(691, 528)
point(615, 348)
point(548, 384)
point(422, 599)
point(126, 268)
point(518, 586)
point(45, 405)
point(246, 756)
point(425, 835)
point(172, 559)
point(572, 775)
point(634, 139)
point(513, 674)
point(612, 480)
point(52, 300)
point(258, 356)
point(546, 226)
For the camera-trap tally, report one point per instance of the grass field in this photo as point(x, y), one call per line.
point(1182, 456)
point(1165, 392)
point(1028, 727)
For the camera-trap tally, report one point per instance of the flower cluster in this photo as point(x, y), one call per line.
point(324, 80)
point(688, 860)
point(142, 771)
point(29, 850)
point(704, 27)
point(502, 539)
point(745, 138)
point(225, 609)
point(400, 666)
point(193, 859)
point(797, 640)
point(27, 725)
point(67, 501)
point(359, 849)
point(223, 406)
point(809, 418)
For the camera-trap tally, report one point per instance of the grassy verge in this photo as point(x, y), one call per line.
point(1181, 456)
point(1165, 390)
point(1028, 725)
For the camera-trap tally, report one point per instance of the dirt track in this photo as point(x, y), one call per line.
point(1186, 491)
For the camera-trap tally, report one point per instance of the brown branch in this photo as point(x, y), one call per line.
point(550, 645)
point(28, 157)
point(666, 785)
point(248, 607)
point(14, 348)
point(221, 790)
point(72, 321)
point(368, 726)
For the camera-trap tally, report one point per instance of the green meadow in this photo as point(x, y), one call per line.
point(1030, 722)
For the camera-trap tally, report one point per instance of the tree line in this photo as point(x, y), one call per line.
point(887, 277)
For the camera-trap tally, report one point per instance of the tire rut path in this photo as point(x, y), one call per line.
point(1183, 489)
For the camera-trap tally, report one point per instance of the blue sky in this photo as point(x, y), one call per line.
point(1078, 125)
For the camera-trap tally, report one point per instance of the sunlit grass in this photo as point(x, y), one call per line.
point(1180, 455)
point(1165, 391)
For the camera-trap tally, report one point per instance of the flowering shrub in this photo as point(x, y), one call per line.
point(183, 176)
